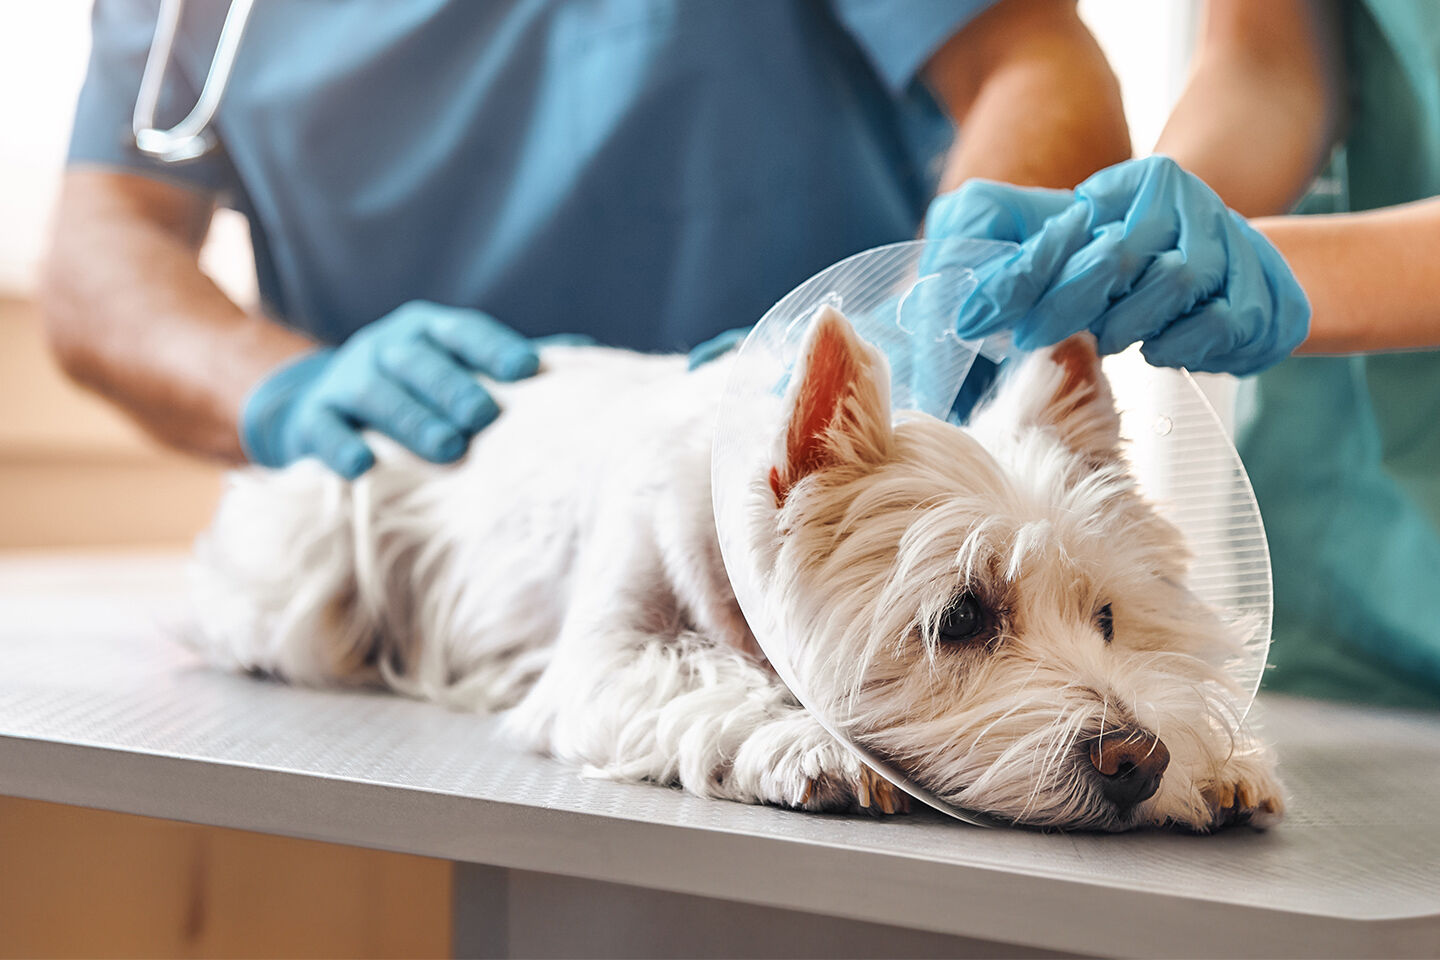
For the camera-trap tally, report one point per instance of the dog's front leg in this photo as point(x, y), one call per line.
point(683, 710)
point(632, 692)
point(792, 761)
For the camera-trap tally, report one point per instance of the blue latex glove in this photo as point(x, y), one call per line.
point(409, 375)
point(1142, 252)
point(986, 210)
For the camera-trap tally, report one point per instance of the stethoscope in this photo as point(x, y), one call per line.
point(191, 138)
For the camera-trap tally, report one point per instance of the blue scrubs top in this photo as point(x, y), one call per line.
point(645, 171)
point(1344, 452)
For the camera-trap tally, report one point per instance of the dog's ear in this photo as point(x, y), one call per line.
point(838, 405)
point(1062, 388)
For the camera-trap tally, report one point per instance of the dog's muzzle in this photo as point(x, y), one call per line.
point(1129, 763)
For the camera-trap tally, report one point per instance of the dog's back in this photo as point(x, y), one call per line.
point(318, 581)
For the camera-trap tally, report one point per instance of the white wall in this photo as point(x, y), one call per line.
point(1148, 43)
point(43, 46)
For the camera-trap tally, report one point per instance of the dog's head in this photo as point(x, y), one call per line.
point(994, 609)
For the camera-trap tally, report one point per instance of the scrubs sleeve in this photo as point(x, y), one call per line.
point(899, 36)
point(121, 31)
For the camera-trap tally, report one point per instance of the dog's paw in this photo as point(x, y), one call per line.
point(864, 791)
point(877, 796)
point(795, 763)
point(1246, 792)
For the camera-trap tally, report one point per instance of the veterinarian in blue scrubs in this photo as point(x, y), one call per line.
point(431, 183)
point(1343, 450)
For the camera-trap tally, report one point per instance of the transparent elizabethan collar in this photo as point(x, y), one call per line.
point(1181, 455)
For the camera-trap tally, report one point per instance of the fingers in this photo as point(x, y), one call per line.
point(987, 210)
point(433, 376)
point(387, 407)
point(1119, 191)
point(1288, 307)
point(1068, 272)
point(1250, 336)
point(1209, 331)
point(338, 445)
point(1170, 288)
point(983, 210)
point(481, 342)
point(1009, 290)
point(1158, 253)
point(1259, 319)
point(411, 376)
point(1152, 304)
point(1086, 284)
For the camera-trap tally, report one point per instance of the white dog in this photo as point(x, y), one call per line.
point(993, 609)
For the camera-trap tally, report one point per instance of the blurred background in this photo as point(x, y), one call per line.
point(76, 475)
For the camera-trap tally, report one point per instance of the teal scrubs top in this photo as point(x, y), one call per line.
point(645, 171)
point(1344, 452)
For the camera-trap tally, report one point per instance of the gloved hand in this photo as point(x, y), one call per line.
point(987, 210)
point(409, 375)
point(1144, 252)
point(717, 346)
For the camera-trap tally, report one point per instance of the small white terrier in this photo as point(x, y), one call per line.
point(994, 608)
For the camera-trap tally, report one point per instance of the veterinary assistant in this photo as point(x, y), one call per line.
point(1343, 451)
point(643, 171)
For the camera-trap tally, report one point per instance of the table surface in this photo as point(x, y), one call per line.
point(100, 707)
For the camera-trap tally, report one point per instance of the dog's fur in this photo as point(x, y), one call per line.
point(567, 572)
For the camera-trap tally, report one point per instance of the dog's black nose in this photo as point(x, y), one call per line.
point(1130, 763)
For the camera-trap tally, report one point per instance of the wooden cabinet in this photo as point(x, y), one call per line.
point(87, 883)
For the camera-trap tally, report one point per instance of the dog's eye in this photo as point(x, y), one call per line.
point(1105, 620)
point(963, 620)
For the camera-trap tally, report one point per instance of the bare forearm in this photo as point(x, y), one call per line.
point(1261, 106)
point(1033, 96)
point(132, 316)
point(1372, 278)
point(1216, 129)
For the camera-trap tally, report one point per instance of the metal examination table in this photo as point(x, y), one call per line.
point(99, 708)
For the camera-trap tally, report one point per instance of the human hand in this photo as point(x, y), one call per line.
point(1143, 252)
point(409, 375)
point(987, 210)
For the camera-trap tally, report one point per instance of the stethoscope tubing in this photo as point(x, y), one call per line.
point(191, 138)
